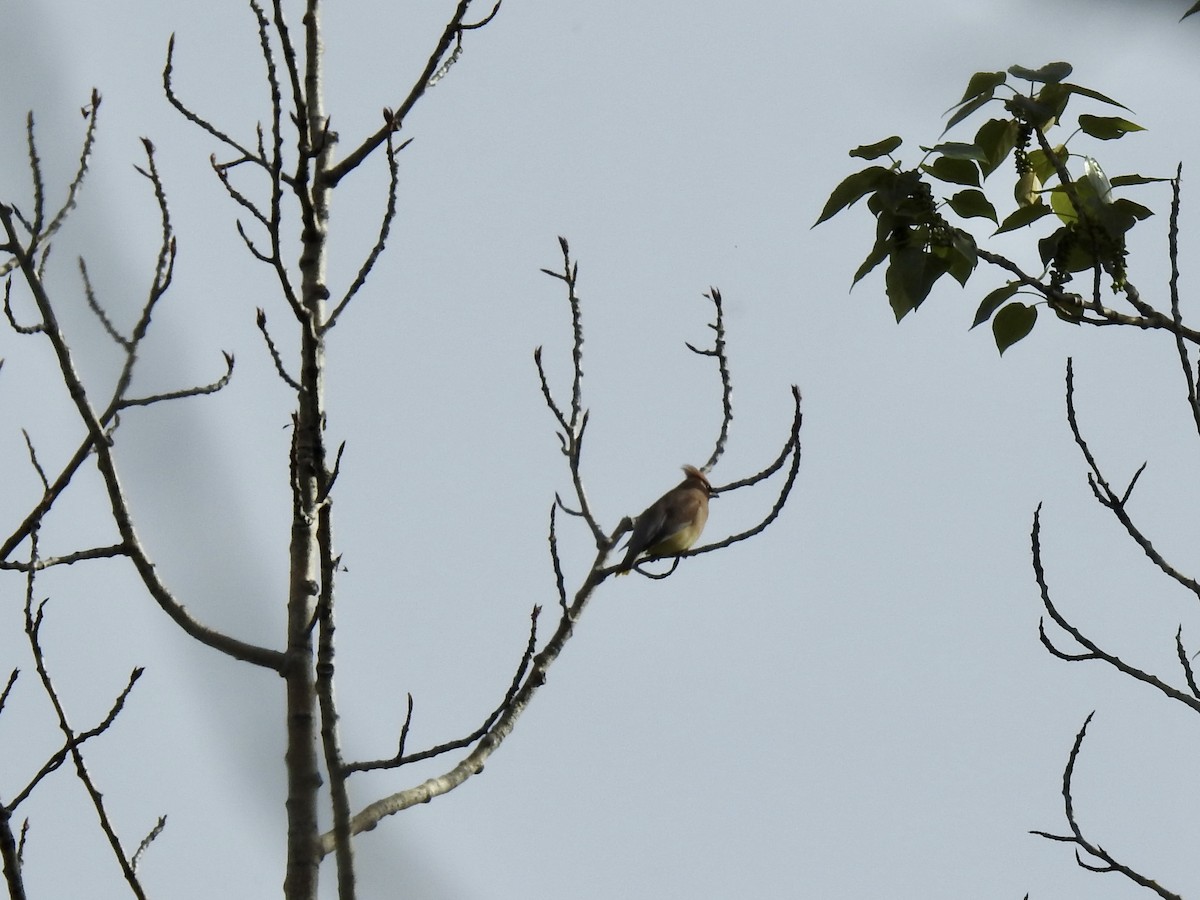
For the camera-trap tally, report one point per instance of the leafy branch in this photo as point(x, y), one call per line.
point(920, 243)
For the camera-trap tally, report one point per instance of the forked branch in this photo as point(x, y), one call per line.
point(1104, 861)
point(1111, 500)
point(1093, 650)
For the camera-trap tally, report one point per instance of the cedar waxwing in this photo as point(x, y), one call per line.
point(672, 523)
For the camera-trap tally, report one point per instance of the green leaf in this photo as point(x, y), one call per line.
point(996, 138)
point(1013, 323)
point(1128, 207)
point(1078, 258)
point(1053, 97)
point(878, 149)
point(1051, 73)
point(1043, 166)
point(1116, 215)
point(958, 150)
point(911, 275)
point(1022, 217)
point(1095, 95)
point(1120, 216)
point(973, 204)
point(1061, 203)
point(967, 110)
point(955, 171)
point(1195, 8)
point(883, 246)
point(898, 194)
point(1048, 247)
point(992, 302)
point(1030, 110)
point(1125, 180)
point(981, 83)
point(958, 258)
point(963, 257)
point(852, 189)
point(1107, 128)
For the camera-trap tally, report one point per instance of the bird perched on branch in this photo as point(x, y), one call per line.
point(672, 523)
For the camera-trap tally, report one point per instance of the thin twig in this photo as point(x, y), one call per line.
point(1107, 862)
point(89, 113)
point(327, 701)
point(39, 186)
point(33, 460)
point(401, 759)
point(556, 561)
point(1094, 652)
point(574, 425)
point(1173, 288)
point(46, 562)
point(12, 320)
point(1186, 662)
point(385, 225)
point(280, 369)
point(95, 427)
point(718, 352)
point(222, 172)
point(450, 33)
point(791, 449)
point(147, 841)
point(89, 294)
point(12, 680)
point(1108, 498)
point(196, 391)
point(73, 740)
point(173, 99)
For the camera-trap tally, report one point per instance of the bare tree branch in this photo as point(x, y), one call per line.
point(327, 703)
point(452, 32)
point(73, 740)
point(147, 841)
point(574, 425)
point(401, 759)
point(555, 560)
point(1185, 362)
point(1110, 500)
point(12, 319)
point(12, 680)
point(66, 559)
point(186, 112)
point(385, 225)
point(89, 294)
point(1107, 862)
point(526, 684)
point(718, 352)
point(280, 369)
point(10, 855)
point(196, 391)
point(104, 459)
point(791, 450)
point(1094, 651)
point(38, 230)
point(1186, 662)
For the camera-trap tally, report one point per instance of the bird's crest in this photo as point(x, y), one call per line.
point(693, 473)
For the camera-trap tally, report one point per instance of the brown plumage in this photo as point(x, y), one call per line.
point(672, 523)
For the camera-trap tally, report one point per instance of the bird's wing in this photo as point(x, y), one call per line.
point(646, 531)
point(680, 524)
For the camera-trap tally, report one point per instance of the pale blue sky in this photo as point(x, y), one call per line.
point(853, 705)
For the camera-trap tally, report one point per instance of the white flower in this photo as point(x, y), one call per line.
point(1097, 180)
